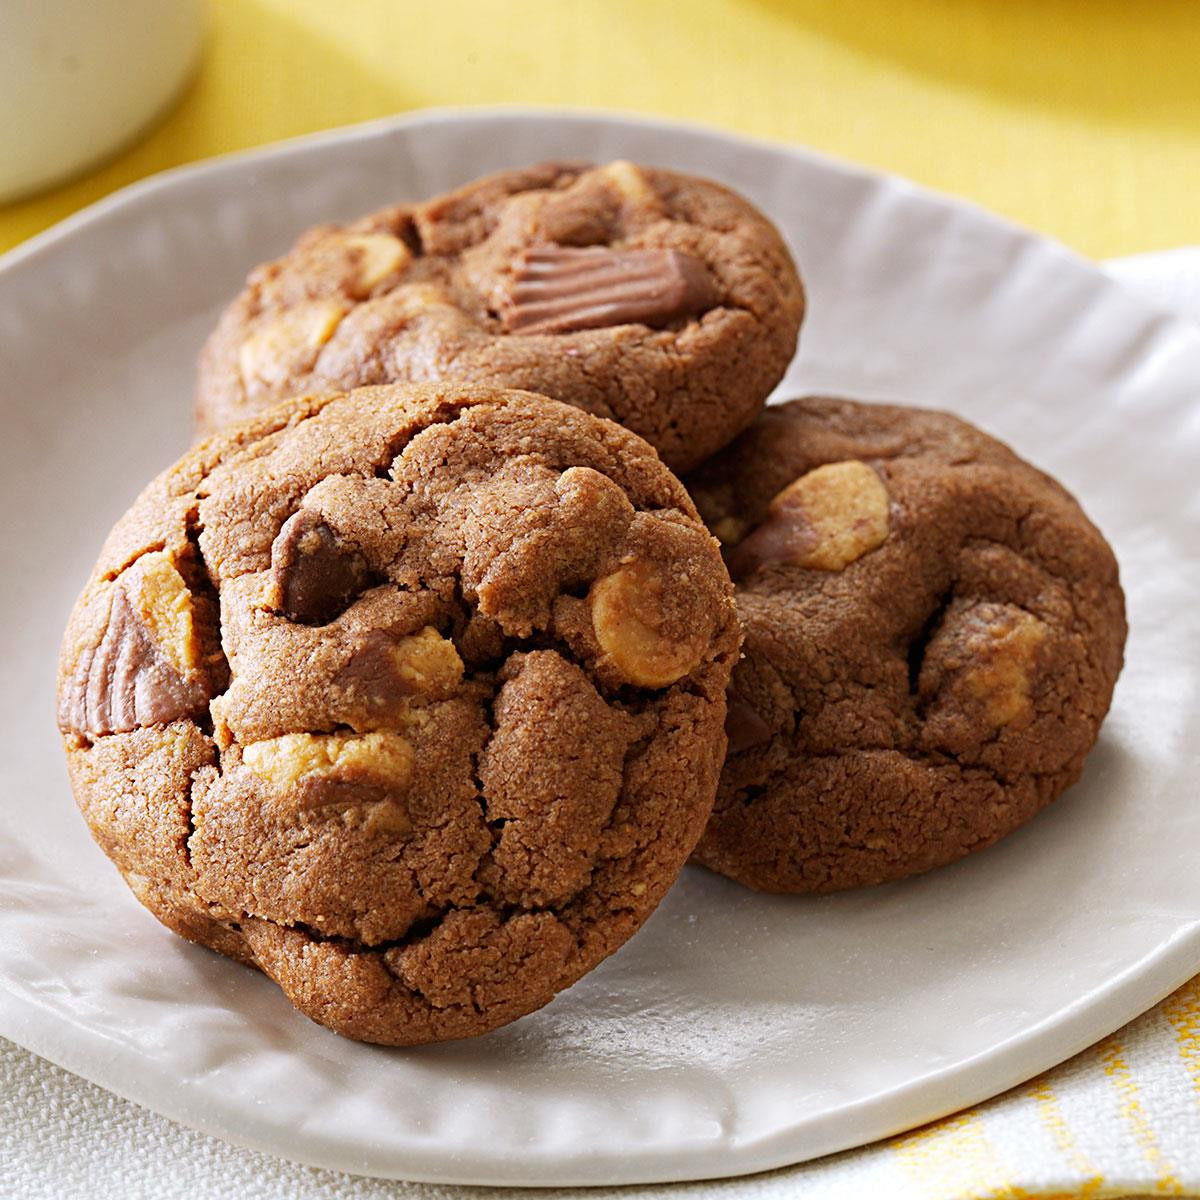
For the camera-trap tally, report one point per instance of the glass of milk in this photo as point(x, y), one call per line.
point(79, 78)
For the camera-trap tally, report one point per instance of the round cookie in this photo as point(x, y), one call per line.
point(664, 302)
point(413, 698)
point(933, 630)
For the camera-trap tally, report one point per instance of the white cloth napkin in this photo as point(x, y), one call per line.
point(1120, 1118)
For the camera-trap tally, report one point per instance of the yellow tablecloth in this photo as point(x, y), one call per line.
point(1078, 117)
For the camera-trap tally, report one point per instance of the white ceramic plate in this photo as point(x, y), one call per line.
point(736, 1032)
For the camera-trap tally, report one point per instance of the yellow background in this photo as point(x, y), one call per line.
point(1078, 117)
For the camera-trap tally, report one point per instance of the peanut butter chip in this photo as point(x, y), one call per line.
point(417, 299)
point(627, 615)
point(427, 664)
point(1004, 642)
point(824, 521)
point(382, 757)
point(161, 599)
point(379, 255)
point(632, 184)
point(289, 344)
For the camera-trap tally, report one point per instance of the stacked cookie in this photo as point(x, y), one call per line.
point(411, 684)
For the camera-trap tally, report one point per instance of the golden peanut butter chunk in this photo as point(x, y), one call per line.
point(381, 757)
point(290, 343)
point(427, 664)
point(1004, 647)
point(824, 521)
point(417, 299)
point(629, 179)
point(628, 615)
point(379, 255)
point(161, 599)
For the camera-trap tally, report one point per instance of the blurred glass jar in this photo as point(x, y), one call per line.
point(79, 78)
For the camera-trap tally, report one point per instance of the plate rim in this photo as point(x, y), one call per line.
point(1014, 1060)
point(761, 1154)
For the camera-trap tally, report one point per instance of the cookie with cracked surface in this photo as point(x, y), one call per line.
point(665, 302)
point(933, 632)
point(413, 699)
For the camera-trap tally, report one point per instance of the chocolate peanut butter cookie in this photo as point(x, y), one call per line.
point(665, 302)
point(933, 631)
point(412, 698)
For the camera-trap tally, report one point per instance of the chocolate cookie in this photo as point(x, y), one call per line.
point(933, 631)
point(412, 698)
point(665, 302)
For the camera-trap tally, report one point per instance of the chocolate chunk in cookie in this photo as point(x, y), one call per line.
point(314, 575)
point(933, 633)
point(665, 302)
point(411, 698)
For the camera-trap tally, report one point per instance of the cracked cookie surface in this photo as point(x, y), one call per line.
point(933, 631)
point(665, 302)
point(412, 698)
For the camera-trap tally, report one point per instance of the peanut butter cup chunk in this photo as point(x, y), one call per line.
point(665, 302)
point(933, 631)
point(413, 698)
point(557, 289)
